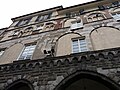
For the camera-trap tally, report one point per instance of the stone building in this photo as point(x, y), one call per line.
point(72, 48)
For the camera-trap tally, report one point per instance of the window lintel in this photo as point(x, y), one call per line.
point(81, 38)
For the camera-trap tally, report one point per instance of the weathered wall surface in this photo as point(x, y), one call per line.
point(47, 74)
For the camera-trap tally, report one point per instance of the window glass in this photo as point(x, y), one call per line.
point(27, 52)
point(76, 24)
point(23, 22)
point(79, 45)
point(1, 52)
point(116, 16)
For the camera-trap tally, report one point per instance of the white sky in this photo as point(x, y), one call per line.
point(14, 8)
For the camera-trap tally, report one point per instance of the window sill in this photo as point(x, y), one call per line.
point(76, 28)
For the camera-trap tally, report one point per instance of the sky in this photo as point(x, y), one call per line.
point(14, 8)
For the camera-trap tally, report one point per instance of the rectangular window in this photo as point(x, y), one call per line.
point(116, 16)
point(79, 45)
point(23, 22)
point(43, 17)
point(76, 24)
point(27, 52)
point(116, 3)
point(1, 52)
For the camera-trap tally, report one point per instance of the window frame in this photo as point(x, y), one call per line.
point(22, 51)
point(43, 17)
point(116, 16)
point(23, 22)
point(78, 39)
point(77, 24)
point(2, 49)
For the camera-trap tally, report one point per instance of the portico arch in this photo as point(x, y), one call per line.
point(20, 85)
point(87, 80)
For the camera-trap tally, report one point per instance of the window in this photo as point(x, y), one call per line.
point(74, 14)
point(40, 18)
point(43, 17)
point(79, 45)
point(95, 17)
point(76, 24)
point(1, 52)
point(116, 3)
point(116, 16)
point(23, 22)
point(101, 7)
point(27, 52)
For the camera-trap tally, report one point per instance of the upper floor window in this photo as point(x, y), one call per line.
point(79, 45)
point(101, 7)
point(76, 24)
point(116, 16)
point(95, 17)
point(1, 52)
point(43, 17)
point(23, 22)
point(73, 14)
point(116, 3)
point(27, 52)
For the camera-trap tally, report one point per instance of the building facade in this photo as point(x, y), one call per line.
point(76, 47)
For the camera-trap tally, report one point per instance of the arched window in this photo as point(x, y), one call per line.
point(95, 17)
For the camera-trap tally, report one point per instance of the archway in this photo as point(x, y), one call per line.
point(20, 85)
point(87, 80)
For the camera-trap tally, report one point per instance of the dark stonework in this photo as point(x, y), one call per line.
point(53, 72)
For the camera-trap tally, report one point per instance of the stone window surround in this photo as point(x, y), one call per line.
point(80, 45)
point(30, 46)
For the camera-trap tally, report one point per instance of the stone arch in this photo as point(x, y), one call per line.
point(105, 37)
point(87, 80)
point(12, 53)
point(63, 44)
point(21, 84)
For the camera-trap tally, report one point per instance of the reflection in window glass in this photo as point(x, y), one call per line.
point(27, 52)
point(79, 45)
